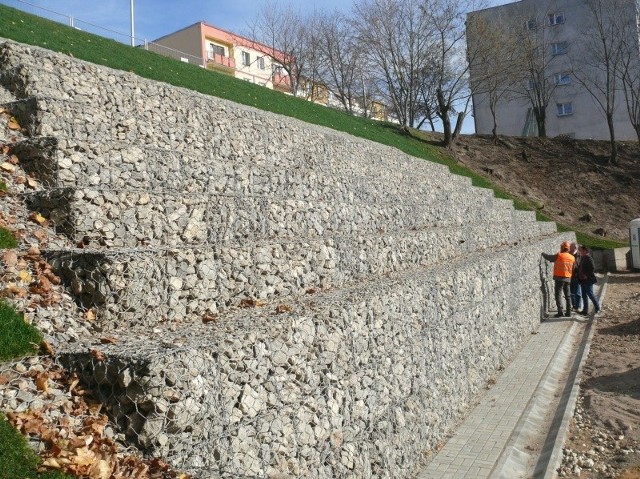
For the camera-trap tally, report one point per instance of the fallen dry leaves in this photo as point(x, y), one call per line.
point(283, 308)
point(99, 355)
point(73, 430)
point(252, 303)
point(28, 272)
point(80, 447)
point(37, 218)
point(13, 124)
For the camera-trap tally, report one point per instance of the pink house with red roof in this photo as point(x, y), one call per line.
point(218, 49)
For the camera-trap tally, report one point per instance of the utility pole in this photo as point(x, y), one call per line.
point(133, 38)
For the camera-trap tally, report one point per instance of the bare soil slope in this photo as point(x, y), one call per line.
point(571, 181)
point(604, 437)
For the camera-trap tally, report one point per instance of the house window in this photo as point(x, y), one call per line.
point(215, 50)
point(555, 18)
point(564, 109)
point(246, 59)
point(562, 79)
point(261, 63)
point(531, 24)
point(559, 48)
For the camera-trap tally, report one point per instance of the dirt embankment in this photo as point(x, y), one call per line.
point(604, 437)
point(571, 181)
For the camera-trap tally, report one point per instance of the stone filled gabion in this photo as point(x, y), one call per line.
point(381, 368)
point(178, 283)
point(282, 300)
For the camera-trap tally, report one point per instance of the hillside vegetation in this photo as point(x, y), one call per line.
point(30, 29)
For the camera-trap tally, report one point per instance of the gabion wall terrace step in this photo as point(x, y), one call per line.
point(348, 382)
point(123, 285)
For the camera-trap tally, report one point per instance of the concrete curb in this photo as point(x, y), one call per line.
point(517, 456)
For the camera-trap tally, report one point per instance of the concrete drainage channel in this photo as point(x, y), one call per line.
point(559, 388)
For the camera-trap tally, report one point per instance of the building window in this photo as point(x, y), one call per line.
point(215, 50)
point(556, 18)
point(559, 48)
point(564, 109)
point(531, 24)
point(246, 59)
point(562, 79)
point(261, 63)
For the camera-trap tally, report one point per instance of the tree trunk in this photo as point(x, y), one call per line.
point(494, 130)
point(613, 157)
point(443, 114)
point(456, 130)
point(446, 127)
point(541, 121)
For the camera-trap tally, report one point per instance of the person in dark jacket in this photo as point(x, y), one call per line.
point(562, 271)
point(576, 294)
point(587, 278)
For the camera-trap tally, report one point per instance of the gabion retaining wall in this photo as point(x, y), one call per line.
point(288, 301)
point(361, 382)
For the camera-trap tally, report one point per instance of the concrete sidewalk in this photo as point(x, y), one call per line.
point(518, 428)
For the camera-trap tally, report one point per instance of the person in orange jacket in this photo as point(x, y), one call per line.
point(562, 271)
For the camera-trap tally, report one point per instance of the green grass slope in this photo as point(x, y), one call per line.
point(34, 30)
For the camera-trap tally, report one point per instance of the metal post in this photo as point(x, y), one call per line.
point(133, 40)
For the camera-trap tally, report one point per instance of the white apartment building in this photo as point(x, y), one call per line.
point(562, 32)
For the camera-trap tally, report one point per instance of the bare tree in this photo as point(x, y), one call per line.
point(342, 62)
point(427, 102)
point(495, 48)
point(398, 49)
point(597, 70)
point(445, 24)
point(532, 76)
point(279, 31)
point(629, 66)
point(312, 82)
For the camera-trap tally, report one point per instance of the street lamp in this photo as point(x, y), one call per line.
point(133, 40)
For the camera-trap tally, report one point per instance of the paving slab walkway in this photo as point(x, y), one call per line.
point(517, 429)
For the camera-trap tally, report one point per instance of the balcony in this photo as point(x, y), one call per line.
point(221, 63)
point(281, 82)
